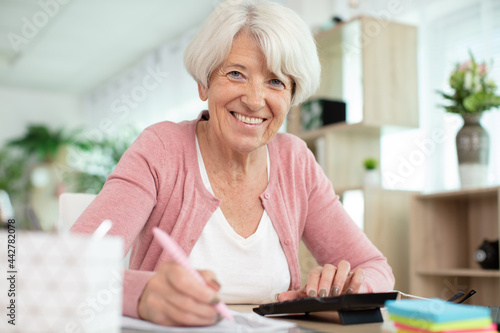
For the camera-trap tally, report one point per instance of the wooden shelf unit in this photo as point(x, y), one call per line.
point(386, 225)
point(446, 229)
point(371, 65)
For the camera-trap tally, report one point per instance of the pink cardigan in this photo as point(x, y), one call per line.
point(157, 183)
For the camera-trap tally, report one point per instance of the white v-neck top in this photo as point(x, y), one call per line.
point(250, 270)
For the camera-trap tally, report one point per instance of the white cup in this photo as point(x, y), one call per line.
point(60, 283)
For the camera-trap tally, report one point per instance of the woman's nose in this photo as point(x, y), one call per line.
point(254, 97)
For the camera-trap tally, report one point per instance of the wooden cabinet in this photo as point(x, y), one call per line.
point(445, 231)
point(386, 225)
point(371, 65)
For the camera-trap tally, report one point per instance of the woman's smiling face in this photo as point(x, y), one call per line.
point(246, 101)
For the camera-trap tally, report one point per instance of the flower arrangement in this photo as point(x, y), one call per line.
point(474, 91)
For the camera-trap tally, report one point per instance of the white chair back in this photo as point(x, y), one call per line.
point(71, 206)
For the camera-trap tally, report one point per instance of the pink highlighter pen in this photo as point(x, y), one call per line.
point(179, 256)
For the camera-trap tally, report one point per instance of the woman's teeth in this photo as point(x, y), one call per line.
point(248, 120)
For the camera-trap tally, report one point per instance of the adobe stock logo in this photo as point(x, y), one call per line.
point(31, 27)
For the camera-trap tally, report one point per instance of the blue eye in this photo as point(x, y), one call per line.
point(278, 83)
point(235, 74)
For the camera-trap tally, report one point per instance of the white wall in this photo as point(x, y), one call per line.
point(314, 13)
point(19, 107)
point(317, 13)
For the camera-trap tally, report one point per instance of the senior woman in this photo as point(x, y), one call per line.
point(235, 194)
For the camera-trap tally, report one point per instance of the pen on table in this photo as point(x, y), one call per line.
point(179, 256)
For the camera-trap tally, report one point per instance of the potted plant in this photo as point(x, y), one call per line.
point(41, 147)
point(371, 172)
point(45, 144)
point(473, 92)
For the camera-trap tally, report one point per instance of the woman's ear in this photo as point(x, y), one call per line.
point(202, 92)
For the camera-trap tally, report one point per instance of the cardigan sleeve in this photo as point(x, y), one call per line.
point(331, 235)
point(127, 199)
point(134, 282)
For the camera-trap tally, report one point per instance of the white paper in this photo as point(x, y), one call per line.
point(243, 322)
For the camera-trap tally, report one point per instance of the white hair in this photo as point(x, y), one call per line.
point(284, 38)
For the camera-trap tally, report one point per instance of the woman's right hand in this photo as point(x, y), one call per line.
point(174, 297)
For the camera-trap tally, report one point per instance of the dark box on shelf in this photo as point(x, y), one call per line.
point(320, 112)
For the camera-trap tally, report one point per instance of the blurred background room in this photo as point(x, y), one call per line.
point(80, 79)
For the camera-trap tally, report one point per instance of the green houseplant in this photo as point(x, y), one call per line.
point(41, 147)
point(473, 93)
point(97, 164)
point(370, 163)
point(12, 171)
point(39, 164)
point(44, 143)
point(13, 180)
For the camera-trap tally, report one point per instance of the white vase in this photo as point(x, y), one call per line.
point(371, 178)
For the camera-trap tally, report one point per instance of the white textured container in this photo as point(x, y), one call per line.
point(67, 283)
point(371, 178)
point(473, 175)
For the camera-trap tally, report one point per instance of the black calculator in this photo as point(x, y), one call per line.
point(347, 302)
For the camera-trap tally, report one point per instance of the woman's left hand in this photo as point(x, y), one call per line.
point(328, 280)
